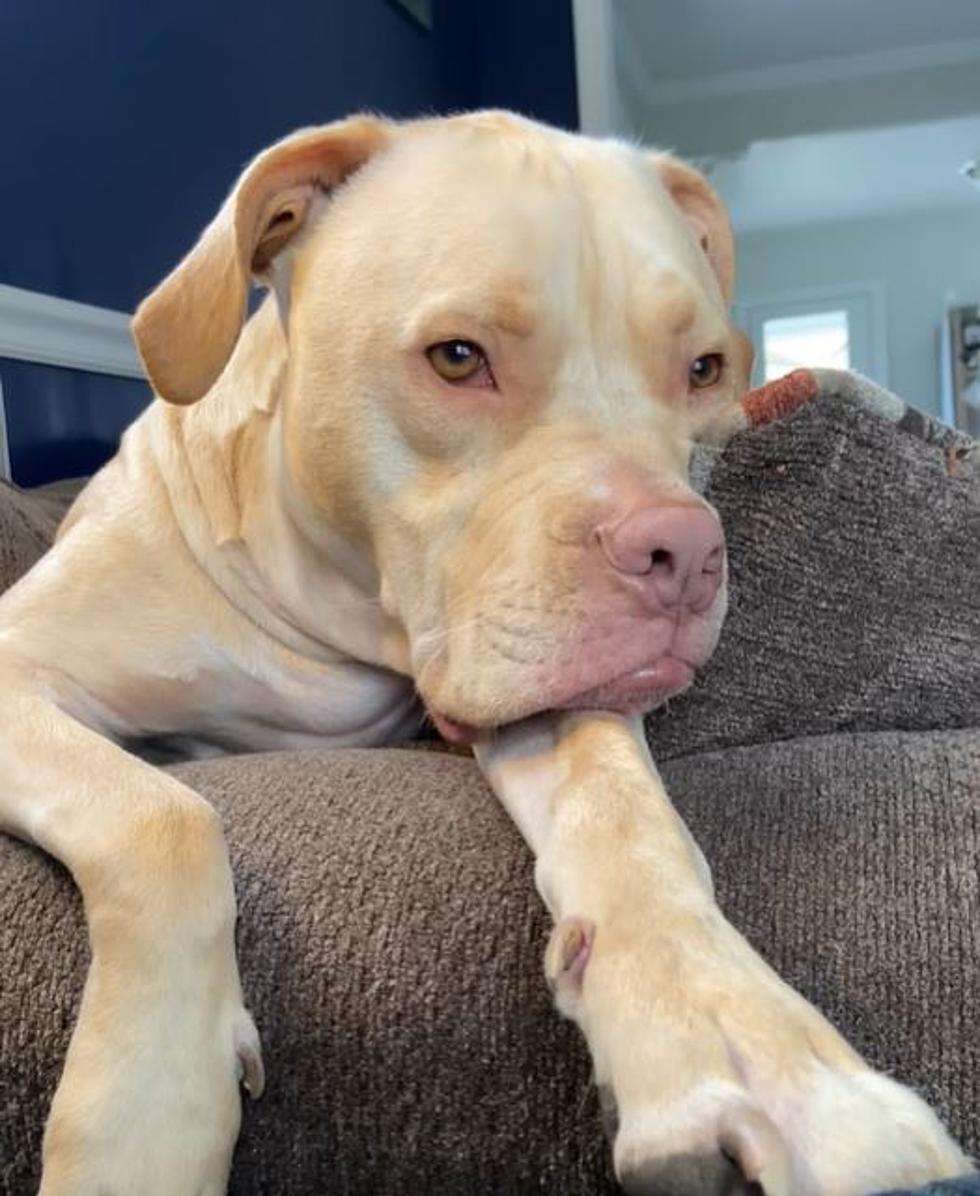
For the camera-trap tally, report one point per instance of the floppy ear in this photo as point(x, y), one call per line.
point(186, 329)
point(706, 215)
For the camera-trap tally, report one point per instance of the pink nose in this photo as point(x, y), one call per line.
point(677, 552)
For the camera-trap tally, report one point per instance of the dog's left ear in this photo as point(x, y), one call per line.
point(706, 215)
point(187, 328)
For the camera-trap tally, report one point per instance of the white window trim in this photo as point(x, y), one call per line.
point(873, 291)
point(49, 330)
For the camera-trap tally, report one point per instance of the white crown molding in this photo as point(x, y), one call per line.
point(77, 336)
point(803, 74)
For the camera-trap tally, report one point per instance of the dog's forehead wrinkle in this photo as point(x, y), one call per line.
point(454, 158)
point(600, 187)
point(511, 141)
point(509, 302)
point(637, 264)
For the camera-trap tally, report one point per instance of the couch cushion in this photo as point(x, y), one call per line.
point(391, 943)
point(27, 527)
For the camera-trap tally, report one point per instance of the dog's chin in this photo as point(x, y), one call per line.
point(634, 692)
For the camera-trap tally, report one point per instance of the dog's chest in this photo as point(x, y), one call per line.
point(213, 699)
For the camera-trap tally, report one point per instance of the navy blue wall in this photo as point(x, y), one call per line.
point(123, 124)
point(65, 423)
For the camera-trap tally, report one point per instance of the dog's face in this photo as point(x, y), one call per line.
point(503, 342)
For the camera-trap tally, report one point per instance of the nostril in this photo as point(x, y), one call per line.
point(661, 561)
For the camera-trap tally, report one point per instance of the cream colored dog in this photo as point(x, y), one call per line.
point(447, 457)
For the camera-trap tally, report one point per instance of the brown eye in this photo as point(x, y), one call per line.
point(706, 370)
point(459, 361)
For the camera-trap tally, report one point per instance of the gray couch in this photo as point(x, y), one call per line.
point(828, 762)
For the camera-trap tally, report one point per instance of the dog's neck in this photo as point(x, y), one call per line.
point(251, 528)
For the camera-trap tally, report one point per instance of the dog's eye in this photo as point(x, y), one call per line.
point(460, 361)
point(706, 370)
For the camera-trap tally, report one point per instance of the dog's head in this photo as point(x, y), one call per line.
point(503, 342)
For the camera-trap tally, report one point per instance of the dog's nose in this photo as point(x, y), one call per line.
point(678, 551)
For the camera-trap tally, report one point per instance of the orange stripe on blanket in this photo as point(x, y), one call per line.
point(779, 398)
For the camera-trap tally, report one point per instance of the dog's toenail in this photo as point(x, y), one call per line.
point(251, 1069)
point(687, 1175)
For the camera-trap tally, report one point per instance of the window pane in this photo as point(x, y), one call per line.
point(819, 339)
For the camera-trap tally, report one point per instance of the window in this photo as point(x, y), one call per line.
point(819, 339)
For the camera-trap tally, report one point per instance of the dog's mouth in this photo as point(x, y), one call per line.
point(633, 692)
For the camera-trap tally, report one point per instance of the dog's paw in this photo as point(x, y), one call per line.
point(833, 1134)
point(149, 1101)
point(718, 1080)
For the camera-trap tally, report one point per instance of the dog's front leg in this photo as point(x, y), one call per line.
point(148, 1102)
point(718, 1076)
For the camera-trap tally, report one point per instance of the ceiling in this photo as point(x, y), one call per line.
point(700, 39)
point(808, 112)
point(852, 175)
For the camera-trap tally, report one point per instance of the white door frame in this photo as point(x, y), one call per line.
point(595, 67)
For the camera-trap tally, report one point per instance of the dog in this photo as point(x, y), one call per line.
point(442, 468)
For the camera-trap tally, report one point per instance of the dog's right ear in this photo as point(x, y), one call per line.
point(186, 329)
point(705, 214)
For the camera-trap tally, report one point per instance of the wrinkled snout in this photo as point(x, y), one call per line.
point(674, 554)
point(614, 602)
